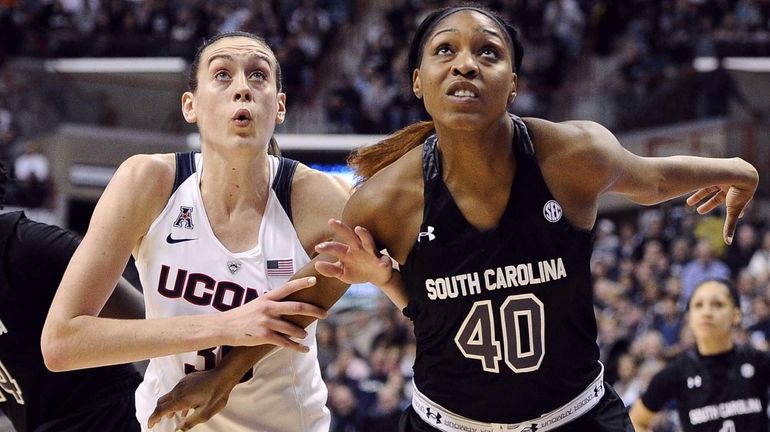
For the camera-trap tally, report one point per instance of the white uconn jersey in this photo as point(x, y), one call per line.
point(185, 270)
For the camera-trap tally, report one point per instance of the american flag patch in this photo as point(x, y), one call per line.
point(280, 267)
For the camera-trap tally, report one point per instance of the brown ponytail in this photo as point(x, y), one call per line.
point(368, 160)
point(272, 147)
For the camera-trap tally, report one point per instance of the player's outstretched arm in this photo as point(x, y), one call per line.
point(711, 182)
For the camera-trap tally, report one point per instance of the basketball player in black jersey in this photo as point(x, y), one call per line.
point(489, 217)
point(718, 386)
point(33, 257)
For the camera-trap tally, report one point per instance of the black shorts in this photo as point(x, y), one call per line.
point(609, 415)
point(118, 415)
point(114, 410)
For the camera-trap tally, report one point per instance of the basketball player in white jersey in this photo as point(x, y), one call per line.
point(216, 237)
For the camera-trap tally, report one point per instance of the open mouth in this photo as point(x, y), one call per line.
point(463, 90)
point(465, 94)
point(242, 117)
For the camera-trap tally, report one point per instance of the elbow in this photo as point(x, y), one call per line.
point(53, 348)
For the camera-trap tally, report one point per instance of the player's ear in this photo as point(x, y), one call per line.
point(281, 105)
point(188, 107)
point(737, 317)
point(416, 84)
point(514, 87)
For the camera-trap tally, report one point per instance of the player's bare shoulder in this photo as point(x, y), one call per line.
point(578, 161)
point(310, 186)
point(315, 198)
point(395, 190)
point(567, 140)
point(145, 178)
point(155, 171)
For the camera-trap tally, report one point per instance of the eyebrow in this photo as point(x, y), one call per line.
point(486, 30)
point(230, 58)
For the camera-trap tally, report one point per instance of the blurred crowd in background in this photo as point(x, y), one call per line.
point(644, 265)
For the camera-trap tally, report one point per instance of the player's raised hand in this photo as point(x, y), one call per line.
point(261, 321)
point(735, 197)
point(357, 258)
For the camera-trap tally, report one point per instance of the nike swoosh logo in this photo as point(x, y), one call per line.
point(171, 240)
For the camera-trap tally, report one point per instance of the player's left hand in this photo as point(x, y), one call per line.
point(357, 258)
point(195, 399)
point(735, 197)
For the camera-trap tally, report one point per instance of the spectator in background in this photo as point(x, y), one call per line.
point(32, 172)
point(384, 416)
point(759, 265)
point(628, 385)
point(759, 331)
point(740, 252)
point(606, 244)
point(717, 89)
point(343, 405)
point(328, 348)
point(679, 255)
point(666, 320)
point(704, 266)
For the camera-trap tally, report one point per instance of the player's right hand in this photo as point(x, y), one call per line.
point(262, 320)
point(735, 196)
point(195, 399)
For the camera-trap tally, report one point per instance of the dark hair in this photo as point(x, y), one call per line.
point(429, 23)
point(368, 160)
point(731, 290)
point(192, 78)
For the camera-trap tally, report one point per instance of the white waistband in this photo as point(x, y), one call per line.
point(447, 421)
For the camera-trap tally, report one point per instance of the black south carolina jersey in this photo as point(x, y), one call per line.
point(34, 257)
point(721, 393)
point(504, 318)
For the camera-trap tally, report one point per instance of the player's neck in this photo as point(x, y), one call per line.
point(715, 347)
point(470, 155)
point(234, 183)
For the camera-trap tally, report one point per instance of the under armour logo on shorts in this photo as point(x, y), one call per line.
point(437, 415)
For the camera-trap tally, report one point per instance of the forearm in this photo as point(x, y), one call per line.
point(641, 416)
point(395, 290)
point(324, 294)
point(238, 361)
point(662, 179)
point(86, 341)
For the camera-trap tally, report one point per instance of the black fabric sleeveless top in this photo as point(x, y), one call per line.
point(503, 318)
point(724, 392)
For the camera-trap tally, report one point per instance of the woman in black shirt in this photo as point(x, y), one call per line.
point(718, 386)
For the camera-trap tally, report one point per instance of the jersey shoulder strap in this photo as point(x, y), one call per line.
point(185, 167)
point(282, 183)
